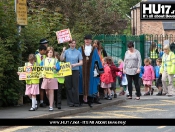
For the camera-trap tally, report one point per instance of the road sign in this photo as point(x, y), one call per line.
point(21, 12)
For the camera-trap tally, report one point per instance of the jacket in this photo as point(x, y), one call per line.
point(149, 74)
point(106, 77)
point(157, 70)
point(114, 69)
point(141, 71)
point(121, 68)
point(170, 62)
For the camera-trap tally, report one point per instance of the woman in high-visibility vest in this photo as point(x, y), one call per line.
point(167, 70)
point(153, 54)
point(32, 85)
point(50, 83)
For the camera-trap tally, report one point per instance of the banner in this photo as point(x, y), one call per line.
point(63, 36)
point(36, 72)
point(87, 122)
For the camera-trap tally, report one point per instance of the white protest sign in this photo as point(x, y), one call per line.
point(63, 36)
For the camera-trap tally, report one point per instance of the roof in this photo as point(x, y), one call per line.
point(168, 25)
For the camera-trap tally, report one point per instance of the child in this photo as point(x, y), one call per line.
point(49, 84)
point(158, 76)
point(114, 69)
point(57, 93)
point(148, 76)
point(39, 57)
point(32, 86)
point(124, 82)
point(106, 79)
point(119, 74)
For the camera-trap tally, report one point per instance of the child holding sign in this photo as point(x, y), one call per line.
point(32, 85)
point(57, 93)
point(50, 83)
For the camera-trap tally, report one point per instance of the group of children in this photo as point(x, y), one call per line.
point(35, 86)
point(109, 77)
point(148, 74)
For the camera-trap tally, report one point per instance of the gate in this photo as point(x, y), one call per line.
point(116, 45)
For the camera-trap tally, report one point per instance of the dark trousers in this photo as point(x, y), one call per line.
point(71, 83)
point(136, 83)
point(57, 95)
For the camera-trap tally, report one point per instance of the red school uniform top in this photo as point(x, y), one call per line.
point(106, 77)
point(114, 69)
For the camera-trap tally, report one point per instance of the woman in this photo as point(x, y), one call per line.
point(131, 68)
point(75, 58)
point(102, 53)
point(167, 70)
point(153, 54)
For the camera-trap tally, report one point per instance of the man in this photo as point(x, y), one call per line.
point(42, 42)
point(39, 57)
point(89, 78)
point(172, 47)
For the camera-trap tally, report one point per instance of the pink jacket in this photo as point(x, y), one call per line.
point(149, 74)
point(106, 77)
point(121, 68)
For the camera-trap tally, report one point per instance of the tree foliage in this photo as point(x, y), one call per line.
point(45, 17)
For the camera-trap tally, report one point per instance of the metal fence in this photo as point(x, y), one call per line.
point(116, 45)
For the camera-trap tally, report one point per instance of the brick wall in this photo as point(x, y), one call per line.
point(170, 32)
point(145, 27)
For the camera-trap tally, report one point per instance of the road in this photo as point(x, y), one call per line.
point(147, 107)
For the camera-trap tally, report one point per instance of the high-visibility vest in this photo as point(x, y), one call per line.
point(51, 64)
point(60, 79)
point(32, 81)
point(170, 63)
point(38, 58)
point(153, 54)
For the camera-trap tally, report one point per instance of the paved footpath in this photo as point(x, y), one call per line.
point(147, 107)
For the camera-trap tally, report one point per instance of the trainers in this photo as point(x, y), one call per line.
point(50, 109)
point(109, 98)
point(115, 95)
point(32, 109)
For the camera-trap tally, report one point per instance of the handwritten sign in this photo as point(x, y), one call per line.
point(63, 36)
point(21, 12)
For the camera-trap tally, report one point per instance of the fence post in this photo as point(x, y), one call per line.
point(142, 47)
point(124, 43)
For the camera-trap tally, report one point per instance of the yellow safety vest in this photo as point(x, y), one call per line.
point(153, 54)
point(60, 79)
point(38, 59)
point(169, 62)
point(32, 81)
point(51, 63)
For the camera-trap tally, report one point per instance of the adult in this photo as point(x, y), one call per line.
point(132, 64)
point(88, 80)
point(167, 70)
point(153, 54)
point(102, 53)
point(42, 42)
point(172, 47)
point(75, 58)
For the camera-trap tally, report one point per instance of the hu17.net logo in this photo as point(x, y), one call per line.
point(157, 11)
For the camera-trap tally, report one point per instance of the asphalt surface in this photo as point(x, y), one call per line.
point(147, 107)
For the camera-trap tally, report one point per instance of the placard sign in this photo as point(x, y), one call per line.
point(63, 36)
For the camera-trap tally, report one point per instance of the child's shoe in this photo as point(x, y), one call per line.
point(32, 109)
point(115, 95)
point(50, 109)
point(148, 93)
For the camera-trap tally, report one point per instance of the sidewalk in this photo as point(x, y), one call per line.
point(22, 111)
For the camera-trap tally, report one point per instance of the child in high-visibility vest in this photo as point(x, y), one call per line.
point(57, 93)
point(50, 84)
point(32, 86)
